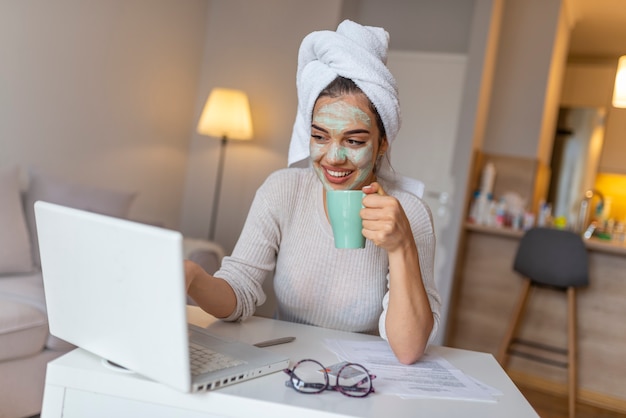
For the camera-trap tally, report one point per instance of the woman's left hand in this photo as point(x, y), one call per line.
point(384, 220)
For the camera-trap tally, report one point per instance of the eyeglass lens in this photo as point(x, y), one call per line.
point(309, 376)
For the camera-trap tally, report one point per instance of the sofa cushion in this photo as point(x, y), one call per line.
point(79, 196)
point(15, 249)
point(23, 329)
point(28, 289)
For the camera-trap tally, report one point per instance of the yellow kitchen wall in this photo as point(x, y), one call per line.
point(614, 187)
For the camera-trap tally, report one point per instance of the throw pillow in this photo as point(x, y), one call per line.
point(15, 249)
point(79, 196)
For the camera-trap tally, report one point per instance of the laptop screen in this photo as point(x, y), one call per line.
point(116, 288)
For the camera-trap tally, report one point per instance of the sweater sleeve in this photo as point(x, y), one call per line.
point(254, 255)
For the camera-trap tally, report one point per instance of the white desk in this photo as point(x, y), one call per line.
point(78, 385)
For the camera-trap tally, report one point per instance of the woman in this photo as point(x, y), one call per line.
point(348, 114)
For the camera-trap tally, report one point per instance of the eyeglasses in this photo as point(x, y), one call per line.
point(311, 377)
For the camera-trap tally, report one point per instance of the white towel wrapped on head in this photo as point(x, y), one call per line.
point(358, 53)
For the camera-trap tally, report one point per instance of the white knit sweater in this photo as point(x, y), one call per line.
point(287, 234)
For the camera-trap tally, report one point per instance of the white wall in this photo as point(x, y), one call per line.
point(253, 46)
point(440, 26)
point(103, 93)
point(520, 86)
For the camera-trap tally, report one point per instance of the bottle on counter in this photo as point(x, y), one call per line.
point(492, 213)
point(545, 214)
point(529, 221)
point(474, 214)
point(487, 179)
point(500, 213)
point(517, 221)
point(479, 208)
point(484, 208)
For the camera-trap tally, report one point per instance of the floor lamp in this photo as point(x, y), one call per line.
point(226, 115)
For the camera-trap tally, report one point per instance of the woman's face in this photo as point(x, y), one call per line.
point(345, 142)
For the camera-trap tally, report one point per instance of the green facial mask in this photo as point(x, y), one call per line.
point(338, 117)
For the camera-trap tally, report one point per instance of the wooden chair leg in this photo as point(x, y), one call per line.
point(572, 354)
point(518, 311)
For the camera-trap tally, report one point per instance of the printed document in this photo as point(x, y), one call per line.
point(431, 377)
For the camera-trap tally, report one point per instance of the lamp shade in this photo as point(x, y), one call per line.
point(226, 114)
point(619, 91)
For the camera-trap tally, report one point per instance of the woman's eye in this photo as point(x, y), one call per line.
point(317, 138)
point(355, 142)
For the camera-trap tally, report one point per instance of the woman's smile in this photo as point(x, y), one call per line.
point(337, 176)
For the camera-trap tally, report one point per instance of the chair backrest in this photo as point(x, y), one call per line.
point(553, 257)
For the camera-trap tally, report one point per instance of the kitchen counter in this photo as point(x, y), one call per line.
point(601, 245)
point(486, 289)
point(593, 243)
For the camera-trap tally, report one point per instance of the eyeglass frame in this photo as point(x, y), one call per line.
point(327, 385)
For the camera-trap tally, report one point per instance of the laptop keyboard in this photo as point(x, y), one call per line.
point(204, 360)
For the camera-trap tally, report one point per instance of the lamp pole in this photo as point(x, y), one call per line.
point(218, 186)
point(226, 113)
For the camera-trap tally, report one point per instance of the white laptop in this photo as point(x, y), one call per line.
point(116, 288)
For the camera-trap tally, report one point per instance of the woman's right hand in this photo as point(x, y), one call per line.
point(192, 270)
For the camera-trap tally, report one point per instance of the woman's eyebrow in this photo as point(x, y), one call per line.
point(314, 126)
point(357, 131)
point(351, 132)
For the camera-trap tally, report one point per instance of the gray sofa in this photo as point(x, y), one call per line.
point(26, 346)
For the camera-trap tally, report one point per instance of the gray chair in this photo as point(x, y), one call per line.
point(556, 259)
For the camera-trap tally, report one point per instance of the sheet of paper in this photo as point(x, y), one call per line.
point(431, 377)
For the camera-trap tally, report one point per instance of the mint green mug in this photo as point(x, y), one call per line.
point(343, 211)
